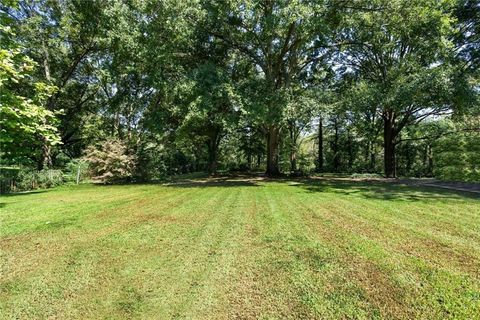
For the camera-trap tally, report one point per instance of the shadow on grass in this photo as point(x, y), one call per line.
point(370, 189)
point(381, 189)
point(214, 182)
point(23, 193)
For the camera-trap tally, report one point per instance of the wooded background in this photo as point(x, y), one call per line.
point(140, 90)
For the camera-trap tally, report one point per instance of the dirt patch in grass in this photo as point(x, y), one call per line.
point(440, 254)
point(379, 290)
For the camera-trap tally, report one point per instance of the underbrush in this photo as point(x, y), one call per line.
point(16, 179)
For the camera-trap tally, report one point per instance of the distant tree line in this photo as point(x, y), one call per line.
point(145, 89)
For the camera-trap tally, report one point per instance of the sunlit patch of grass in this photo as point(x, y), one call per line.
point(241, 248)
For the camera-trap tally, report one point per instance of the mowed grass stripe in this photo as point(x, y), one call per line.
point(67, 251)
point(246, 250)
point(339, 222)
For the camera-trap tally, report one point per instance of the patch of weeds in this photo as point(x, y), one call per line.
point(130, 300)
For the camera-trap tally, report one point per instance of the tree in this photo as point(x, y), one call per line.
point(71, 41)
point(213, 111)
point(467, 34)
point(24, 118)
point(457, 153)
point(400, 49)
point(281, 40)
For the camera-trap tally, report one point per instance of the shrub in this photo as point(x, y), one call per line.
point(110, 162)
point(151, 163)
point(24, 179)
point(457, 157)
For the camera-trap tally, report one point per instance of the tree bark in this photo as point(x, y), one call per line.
point(213, 143)
point(320, 145)
point(46, 160)
point(351, 155)
point(293, 149)
point(367, 152)
point(409, 159)
point(389, 136)
point(46, 157)
point(336, 156)
point(372, 160)
point(428, 160)
point(273, 139)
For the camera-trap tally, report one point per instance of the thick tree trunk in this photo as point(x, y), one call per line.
point(213, 153)
point(293, 150)
point(389, 136)
point(45, 160)
point(273, 139)
point(320, 145)
point(212, 163)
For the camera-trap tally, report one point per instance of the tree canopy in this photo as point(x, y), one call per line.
point(366, 86)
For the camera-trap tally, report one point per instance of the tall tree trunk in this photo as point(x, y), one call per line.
point(389, 136)
point(336, 156)
point(273, 140)
point(429, 160)
point(293, 149)
point(409, 159)
point(320, 145)
point(46, 160)
point(213, 153)
point(351, 155)
point(367, 152)
point(293, 162)
point(372, 160)
point(46, 65)
point(249, 153)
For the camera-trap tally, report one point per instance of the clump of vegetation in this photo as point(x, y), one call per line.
point(24, 179)
point(110, 161)
point(457, 156)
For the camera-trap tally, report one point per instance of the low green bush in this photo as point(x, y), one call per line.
point(24, 179)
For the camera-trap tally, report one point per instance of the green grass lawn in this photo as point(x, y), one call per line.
point(247, 249)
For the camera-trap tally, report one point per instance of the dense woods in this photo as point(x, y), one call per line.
point(145, 89)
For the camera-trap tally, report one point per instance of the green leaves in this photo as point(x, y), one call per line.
point(24, 118)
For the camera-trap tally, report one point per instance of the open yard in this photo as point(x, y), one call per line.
point(241, 249)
